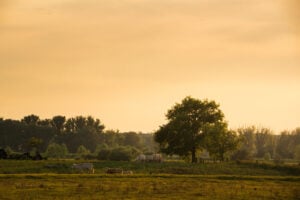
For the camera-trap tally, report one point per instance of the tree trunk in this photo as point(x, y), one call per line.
point(194, 159)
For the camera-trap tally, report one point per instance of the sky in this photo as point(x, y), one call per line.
point(127, 62)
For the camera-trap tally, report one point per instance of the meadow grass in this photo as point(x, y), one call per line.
point(164, 186)
point(225, 168)
point(54, 179)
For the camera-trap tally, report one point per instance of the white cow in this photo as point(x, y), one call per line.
point(157, 157)
point(84, 167)
point(141, 158)
point(149, 158)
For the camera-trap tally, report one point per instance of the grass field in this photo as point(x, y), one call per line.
point(175, 180)
point(70, 186)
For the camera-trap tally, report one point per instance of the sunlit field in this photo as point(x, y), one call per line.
point(71, 186)
point(149, 99)
point(55, 179)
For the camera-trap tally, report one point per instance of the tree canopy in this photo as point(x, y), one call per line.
point(188, 123)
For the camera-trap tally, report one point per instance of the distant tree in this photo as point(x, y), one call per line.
point(247, 147)
point(188, 122)
point(34, 143)
point(297, 153)
point(131, 139)
point(285, 145)
point(113, 138)
point(263, 141)
point(45, 122)
point(82, 124)
point(58, 122)
point(295, 140)
point(220, 141)
point(148, 143)
point(17, 135)
point(94, 125)
point(31, 119)
point(80, 130)
point(70, 126)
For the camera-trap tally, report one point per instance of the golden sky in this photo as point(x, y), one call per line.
point(128, 61)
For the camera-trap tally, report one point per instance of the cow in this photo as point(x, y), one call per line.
point(157, 157)
point(149, 158)
point(141, 158)
point(84, 167)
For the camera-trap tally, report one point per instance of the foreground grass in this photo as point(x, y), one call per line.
point(75, 186)
point(54, 179)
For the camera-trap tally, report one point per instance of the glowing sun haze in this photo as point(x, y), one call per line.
point(127, 62)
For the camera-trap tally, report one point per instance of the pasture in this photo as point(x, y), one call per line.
point(54, 179)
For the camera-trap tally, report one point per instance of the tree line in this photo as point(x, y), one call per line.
point(61, 136)
point(195, 126)
point(195, 129)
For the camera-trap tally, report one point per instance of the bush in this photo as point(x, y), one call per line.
point(89, 157)
point(56, 150)
point(104, 154)
point(100, 147)
point(82, 151)
point(124, 153)
point(121, 154)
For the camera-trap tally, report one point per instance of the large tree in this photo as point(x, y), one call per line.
point(188, 122)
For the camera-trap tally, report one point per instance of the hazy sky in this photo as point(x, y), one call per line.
point(128, 61)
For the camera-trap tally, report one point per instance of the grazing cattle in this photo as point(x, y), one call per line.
point(84, 167)
point(128, 172)
point(114, 171)
point(157, 157)
point(149, 158)
point(141, 158)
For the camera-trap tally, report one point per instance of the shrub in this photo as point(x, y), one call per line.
point(82, 151)
point(56, 150)
point(121, 154)
point(104, 154)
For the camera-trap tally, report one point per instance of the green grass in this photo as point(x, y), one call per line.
point(54, 179)
point(74, 186)
point(64, 167)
